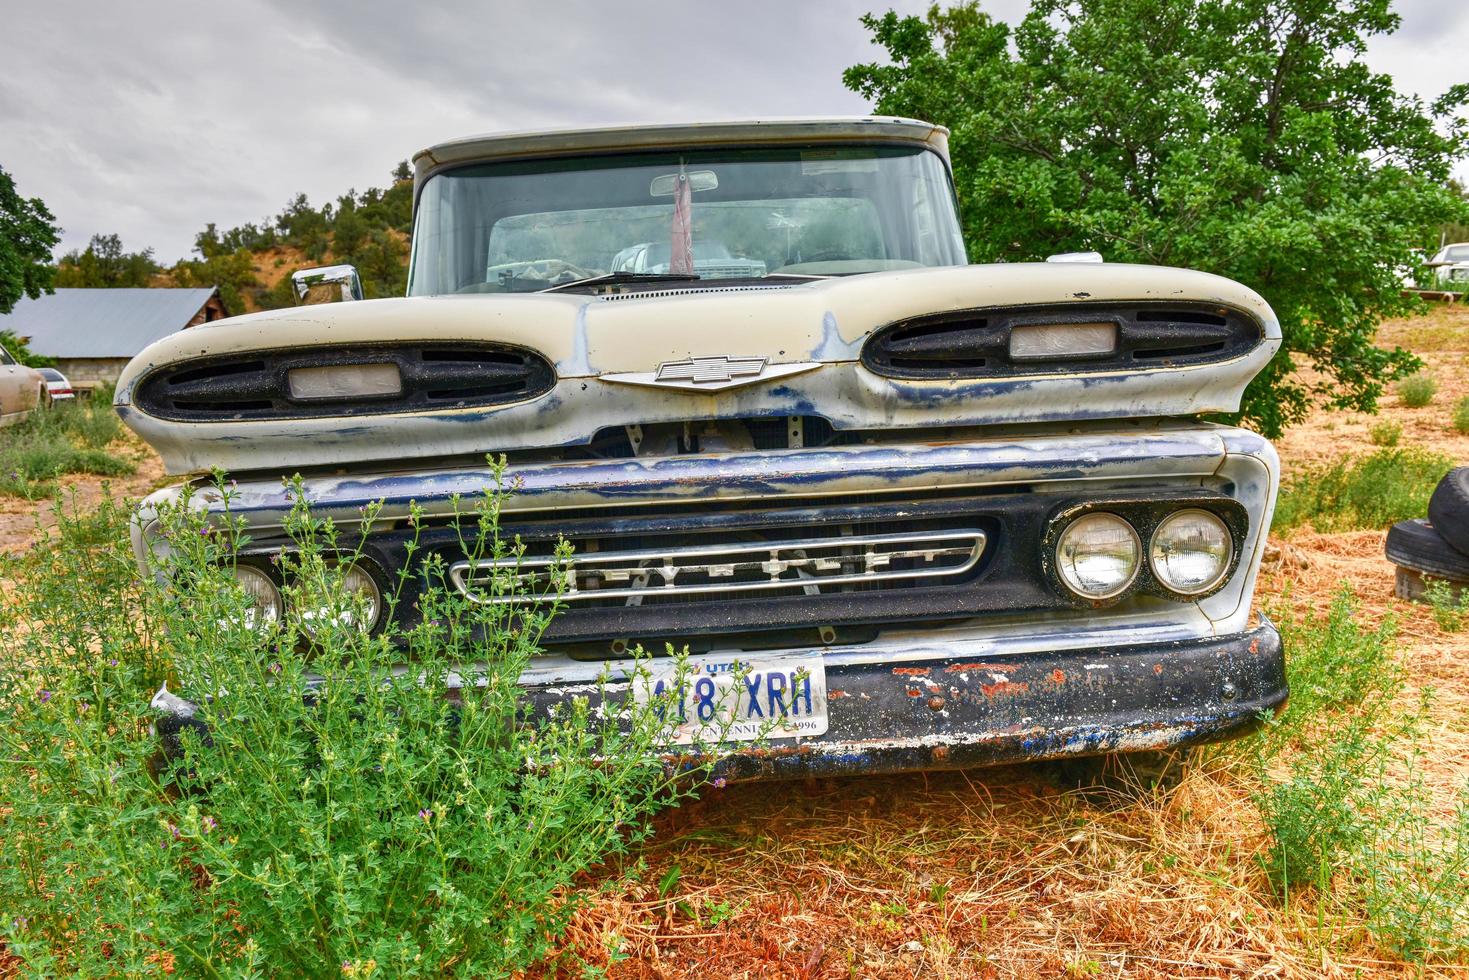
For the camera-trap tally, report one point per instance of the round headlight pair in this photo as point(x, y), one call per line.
point(362, 611)
point(1099, 555)
point(267, 606)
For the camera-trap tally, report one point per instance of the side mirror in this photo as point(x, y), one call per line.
point(326, 284)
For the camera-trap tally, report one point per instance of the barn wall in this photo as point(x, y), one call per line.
point(89, 372)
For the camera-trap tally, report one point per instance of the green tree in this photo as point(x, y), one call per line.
point(105, 264)
point(1243, 137)
point(28, 232)
point(349, 230)
point(21, 351)
point(233, 272)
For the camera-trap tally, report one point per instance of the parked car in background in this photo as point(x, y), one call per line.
point(58, 388)
point(20, 390)
point(1451, 266)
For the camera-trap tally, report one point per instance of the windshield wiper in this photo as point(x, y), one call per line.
point(614, 278)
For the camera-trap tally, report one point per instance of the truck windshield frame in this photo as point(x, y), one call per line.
point(524, 225)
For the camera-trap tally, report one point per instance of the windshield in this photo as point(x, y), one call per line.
point(1454, 253)
point(719, 214)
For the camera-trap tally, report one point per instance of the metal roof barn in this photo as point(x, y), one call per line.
point(104, 323)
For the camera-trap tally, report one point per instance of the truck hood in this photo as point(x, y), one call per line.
point(607, 351)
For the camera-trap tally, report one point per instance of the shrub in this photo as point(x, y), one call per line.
point(21, 351)
point(1350, 819)
point(340, 818)
point(1461, 417)
point(1450, 605)
point(1333, 663)
point(1377, 491)
point(1417, 390)
point(1385, 433)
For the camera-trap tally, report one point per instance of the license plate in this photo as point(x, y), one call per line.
point(737, 700)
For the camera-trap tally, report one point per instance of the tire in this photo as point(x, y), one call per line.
point(1418, 545)
point(1448, 509)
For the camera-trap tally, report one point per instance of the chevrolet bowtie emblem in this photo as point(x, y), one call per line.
point(706, 370)
point(711, 373)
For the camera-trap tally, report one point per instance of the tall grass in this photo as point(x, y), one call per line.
point(1376, 491)
point(70, 437)
point(340, 817)
point(1341, 793)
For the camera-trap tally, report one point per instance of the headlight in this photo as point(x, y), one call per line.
point(1191, 552)
point(1098, 556)
point(361, 611)
point(265, 599)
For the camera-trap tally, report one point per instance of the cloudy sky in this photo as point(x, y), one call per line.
point(152, 119)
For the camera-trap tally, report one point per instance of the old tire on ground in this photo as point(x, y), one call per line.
point(1124, 775)
point(1421, 553)
point(1448, 509)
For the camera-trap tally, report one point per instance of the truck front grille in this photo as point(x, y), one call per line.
point(808, 566)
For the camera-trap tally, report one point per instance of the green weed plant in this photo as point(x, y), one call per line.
point(1352, 494)
point(384, 803)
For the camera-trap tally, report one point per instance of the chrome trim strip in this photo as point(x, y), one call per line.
point(779, 557)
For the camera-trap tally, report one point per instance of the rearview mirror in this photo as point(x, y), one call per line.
point(699, 180)
point(326, 284)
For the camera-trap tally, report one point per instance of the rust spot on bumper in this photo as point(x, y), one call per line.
point(994, 668)
point(911, 671)
point(1004, 687)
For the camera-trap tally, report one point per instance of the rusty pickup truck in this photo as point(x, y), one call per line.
point(942, 514)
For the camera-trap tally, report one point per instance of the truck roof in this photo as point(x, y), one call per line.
point(563, 142)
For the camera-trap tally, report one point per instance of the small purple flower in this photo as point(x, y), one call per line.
point(82, 707)
point(204, 531)
point(719, 783)
point(209, 824)
point(44, 695)
point(425, 815)
point(173, 831)
point(274, 668)
point(112, 662)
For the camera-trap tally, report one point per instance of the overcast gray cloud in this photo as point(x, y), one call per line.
point(152, 120)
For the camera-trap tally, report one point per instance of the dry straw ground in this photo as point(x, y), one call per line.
point(995, 873)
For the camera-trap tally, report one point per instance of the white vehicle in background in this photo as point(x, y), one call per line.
point(1451, 266)
point(58, 388)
